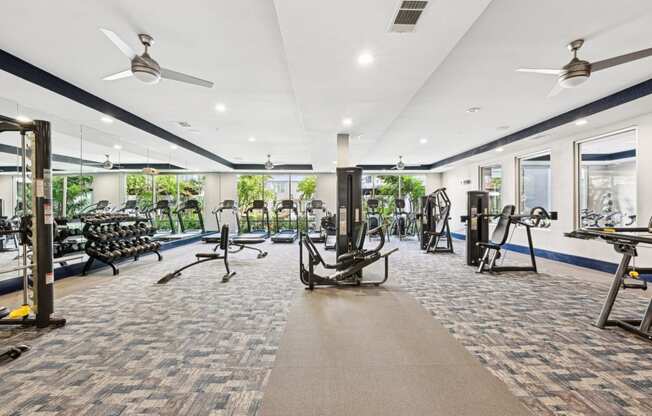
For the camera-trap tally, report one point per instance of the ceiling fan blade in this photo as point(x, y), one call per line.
point(622, 59)
point(119, 75)
point(126, 49)
point(188, 79)
point(540, 71)
point(555, 90)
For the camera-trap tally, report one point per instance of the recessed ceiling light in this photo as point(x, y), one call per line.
point(117, 146)
point(173, 147)
point(499, 149)
point(252, 139)
point(365, 59)
point(334, 162)
point(347, 121)
point(107, 119)
point(581, 122)
point(423, 140)
point(473, 110)
point(23, 119)
point(220, 108)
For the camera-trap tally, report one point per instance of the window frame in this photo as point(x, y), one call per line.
point(577, 166)
point(481, 182)
point(518, 180)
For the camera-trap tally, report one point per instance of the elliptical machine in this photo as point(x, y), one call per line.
point(435, 216)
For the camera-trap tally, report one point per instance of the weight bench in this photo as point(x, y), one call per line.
point(499, 238)
point(204, 257)
point(349, 266)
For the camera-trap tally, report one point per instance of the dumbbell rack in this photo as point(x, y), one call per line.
point(113, 237)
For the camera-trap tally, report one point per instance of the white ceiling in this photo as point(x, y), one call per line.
point(287, 72)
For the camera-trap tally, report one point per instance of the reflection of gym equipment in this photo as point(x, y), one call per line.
point(265, 229)
point(399, 223)
point(375, 217)
point(291, 233)
point(489, 249)
point(315, 233)
point(192, 206)
point(351, 256)
point(162, 208)
point(624, 241)
point(435, 216)
point(330, 229)
point(226, 205)
point(8, 231)
point(228, 246)
point(99, 206)
point(130, 206)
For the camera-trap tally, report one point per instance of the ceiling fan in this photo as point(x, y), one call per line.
point(144, 67)
point(578, 71)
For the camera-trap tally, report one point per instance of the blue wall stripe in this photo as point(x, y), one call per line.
point(586, 262)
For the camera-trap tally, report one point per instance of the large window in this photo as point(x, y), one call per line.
point(140, 188)
point(607, 180)
point(491, 181)
point(71, 194)
point(534, 182)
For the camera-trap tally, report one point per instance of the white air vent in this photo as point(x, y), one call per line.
point(407, 16)
point(184, 124)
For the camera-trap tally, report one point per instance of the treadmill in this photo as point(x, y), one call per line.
point(162, 207)
point(226, 205)
point(191, 205)
point(316, 235)
point(264, 229)
point(291, 233)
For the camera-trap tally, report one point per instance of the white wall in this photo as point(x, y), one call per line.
point(7, 194)
point(327, 190)
point(218, 187)
point(110, 187)
point(563, 189)
point(433, 182)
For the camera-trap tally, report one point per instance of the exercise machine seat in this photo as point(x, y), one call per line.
point(501, 232)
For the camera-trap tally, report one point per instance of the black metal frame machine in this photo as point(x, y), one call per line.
point(289, 234)
point(435, 217)
point(130, 206)
point(226, 205)
point(328, 224)
point(316, 233)
point(625, 241)
point(162, 207)
point(193, 206)
point(266, 230)
point(37, 271)
point(375, 217)
point(351, 256)
point(399, 225)
point(488, 249)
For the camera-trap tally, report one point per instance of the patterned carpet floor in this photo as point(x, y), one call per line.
point(195, 346)
point(534, 332)
point(200, 347)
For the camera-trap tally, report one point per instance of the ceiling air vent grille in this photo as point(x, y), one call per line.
point(407, 16)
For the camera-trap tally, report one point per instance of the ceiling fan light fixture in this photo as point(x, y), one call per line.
point(107, 164)
point(572, 80)
point(269, 165)
point(146, 75)
point(400, 165)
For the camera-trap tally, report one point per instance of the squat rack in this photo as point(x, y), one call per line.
point(36, 137)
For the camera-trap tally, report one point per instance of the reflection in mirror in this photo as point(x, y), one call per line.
point(607, 180)
point(491, 181)
point(534, 182)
